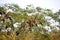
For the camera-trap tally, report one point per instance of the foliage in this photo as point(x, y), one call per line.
point(28, 27)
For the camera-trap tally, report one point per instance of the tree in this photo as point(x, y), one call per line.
point(27, 27)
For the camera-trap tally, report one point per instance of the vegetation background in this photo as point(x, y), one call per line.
point(29, 23)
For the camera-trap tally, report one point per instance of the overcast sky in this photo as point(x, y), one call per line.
point(51, 4)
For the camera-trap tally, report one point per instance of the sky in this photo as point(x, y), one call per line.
point(50, 4)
